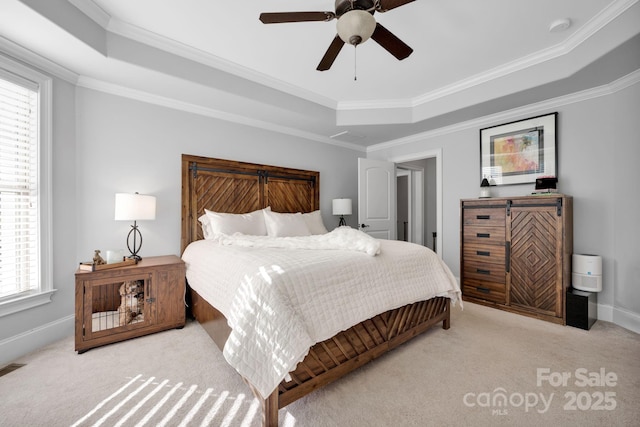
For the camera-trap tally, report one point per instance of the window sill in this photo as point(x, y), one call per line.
point(26, 302)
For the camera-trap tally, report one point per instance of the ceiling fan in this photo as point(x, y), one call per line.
point(356, 25)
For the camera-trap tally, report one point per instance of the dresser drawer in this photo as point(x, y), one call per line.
point(484, 271)
point(492, 254)
point(484, 216)
point(487, 291)
point(484, 235)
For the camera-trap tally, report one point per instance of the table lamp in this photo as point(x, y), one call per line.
point(342, 207)
point(134, 207)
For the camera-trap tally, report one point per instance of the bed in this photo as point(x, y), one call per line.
point(303, 355)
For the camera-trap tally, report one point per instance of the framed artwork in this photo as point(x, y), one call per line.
point(519, 152)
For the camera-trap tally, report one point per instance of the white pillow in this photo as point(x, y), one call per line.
point(314, 222)
point(285, 224)
point(251, 223)
point(206, 226)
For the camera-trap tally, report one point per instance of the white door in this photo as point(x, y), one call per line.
point(377, 198)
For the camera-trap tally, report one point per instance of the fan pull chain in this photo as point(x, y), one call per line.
point(355, 62)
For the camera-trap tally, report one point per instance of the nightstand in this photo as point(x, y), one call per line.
point(127, 302)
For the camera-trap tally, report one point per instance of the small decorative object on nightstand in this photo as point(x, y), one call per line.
point(116, 304)
point(135, 207)
point(97, 259)
point(342, 207)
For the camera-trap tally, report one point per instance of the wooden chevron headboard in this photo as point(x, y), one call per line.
point(237, 187)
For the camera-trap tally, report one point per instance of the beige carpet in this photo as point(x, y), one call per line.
point(483, 371)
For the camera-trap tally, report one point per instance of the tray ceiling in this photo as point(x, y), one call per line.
point(470, 59)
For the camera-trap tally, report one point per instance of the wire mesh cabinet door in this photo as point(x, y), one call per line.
point(117, 306)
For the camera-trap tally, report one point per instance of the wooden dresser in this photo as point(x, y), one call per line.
point(515, 253)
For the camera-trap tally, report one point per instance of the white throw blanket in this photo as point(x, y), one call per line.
point(279, 302)
point(342, 238)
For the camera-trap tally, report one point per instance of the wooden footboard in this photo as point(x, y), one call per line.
point(331, 359)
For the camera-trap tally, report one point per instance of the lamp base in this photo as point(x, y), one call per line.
point(342, 221)
point(136, 245)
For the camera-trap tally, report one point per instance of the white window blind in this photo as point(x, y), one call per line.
point(19, 242)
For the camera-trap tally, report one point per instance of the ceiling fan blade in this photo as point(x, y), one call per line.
point(331, 54)
point(280, 17)
point(386, 5)
point(391, 43)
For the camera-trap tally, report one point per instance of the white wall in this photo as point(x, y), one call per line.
point(598, 151)
point(104, 144)
point(127, 146)
point(625, 147)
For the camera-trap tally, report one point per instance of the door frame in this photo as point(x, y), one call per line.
point(416, 202)
point(437, 154)
point(407, 173)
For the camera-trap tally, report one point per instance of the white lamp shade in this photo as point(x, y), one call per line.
point(342, 206)
point(356, 26)
point(135, 207)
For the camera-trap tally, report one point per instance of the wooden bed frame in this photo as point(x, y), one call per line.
point(237, 187)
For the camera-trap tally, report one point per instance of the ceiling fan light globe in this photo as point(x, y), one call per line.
point(356, 26)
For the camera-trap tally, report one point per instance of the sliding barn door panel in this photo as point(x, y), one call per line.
point(289, 195)
point(536, 273)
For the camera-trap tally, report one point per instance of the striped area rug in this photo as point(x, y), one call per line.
point(155, 402)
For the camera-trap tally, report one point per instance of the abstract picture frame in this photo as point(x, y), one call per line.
point(521, 151)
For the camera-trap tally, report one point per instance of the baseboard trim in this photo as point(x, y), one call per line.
point(627, 319)
point(606, 313)
point(18, 345)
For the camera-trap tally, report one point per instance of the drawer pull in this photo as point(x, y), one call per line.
point(483, 253)
point(483, 216)
point(481, 271)
point(483, 235)
point(483, 290)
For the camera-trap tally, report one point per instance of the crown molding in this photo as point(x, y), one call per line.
point(110, 24)
point(594, 25)
point(624, 81)
point(27, 56)
point(389, 104)
point(132, 32)
point(516, 113)
point(509, 115)
point(598, 22)
point(138, 95)
point(177, 48)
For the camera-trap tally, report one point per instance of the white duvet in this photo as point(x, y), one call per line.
point(283, 295)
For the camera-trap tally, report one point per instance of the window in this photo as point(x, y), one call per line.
point(25, 254)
